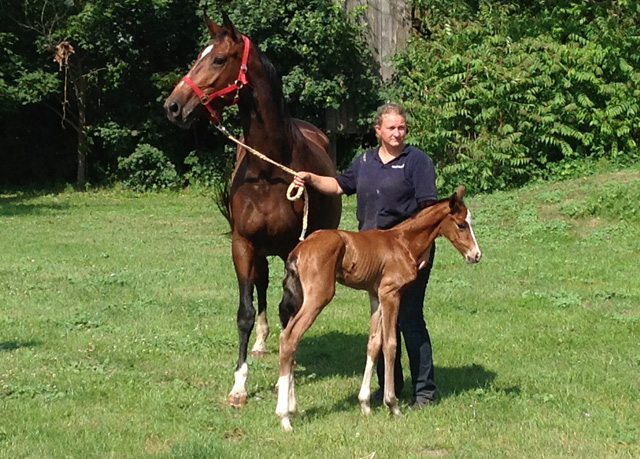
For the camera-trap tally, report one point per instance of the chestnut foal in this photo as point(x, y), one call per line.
point(382, 262)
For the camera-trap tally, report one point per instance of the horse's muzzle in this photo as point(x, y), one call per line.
point(176, 112)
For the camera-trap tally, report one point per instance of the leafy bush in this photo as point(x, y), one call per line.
point(147, 169)
point(499, 93)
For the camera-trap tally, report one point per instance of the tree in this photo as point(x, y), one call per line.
point(502, 92)
point(128, 54)
point(111, 56)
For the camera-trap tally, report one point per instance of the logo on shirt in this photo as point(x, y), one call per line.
point(397, 166)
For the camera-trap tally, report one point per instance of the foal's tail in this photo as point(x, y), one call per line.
point(292, 291)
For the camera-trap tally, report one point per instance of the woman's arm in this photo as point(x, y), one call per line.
point(323, 183)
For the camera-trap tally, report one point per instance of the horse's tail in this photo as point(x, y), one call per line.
point(292, 291)
point(222, 197)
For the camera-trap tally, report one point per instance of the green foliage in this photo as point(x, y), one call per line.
point(206, 170)
point(499, 93)
point(130, 53)
point(147, 169)
point(319, 50)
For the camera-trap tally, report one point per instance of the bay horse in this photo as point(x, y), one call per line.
point(229, 70)
point(382, 262)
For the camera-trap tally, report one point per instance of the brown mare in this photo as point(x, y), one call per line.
point(263, 221)
point(382, 262)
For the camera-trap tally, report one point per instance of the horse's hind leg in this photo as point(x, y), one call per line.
point(262, 329)
point(373, 351)
point(291, 292)
point(317, 295)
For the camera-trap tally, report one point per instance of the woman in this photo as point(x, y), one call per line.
point(392, 182)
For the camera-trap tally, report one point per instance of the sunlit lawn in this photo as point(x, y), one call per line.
point(118, 334)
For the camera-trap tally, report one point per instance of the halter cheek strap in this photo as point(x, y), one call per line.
point(236, 86)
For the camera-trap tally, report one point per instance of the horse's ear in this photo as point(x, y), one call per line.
point(214, 29)
point(460, 191)
point(229, 27)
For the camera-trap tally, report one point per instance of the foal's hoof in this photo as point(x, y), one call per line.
point(237, 400)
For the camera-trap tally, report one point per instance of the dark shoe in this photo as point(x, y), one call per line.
point(420, 403)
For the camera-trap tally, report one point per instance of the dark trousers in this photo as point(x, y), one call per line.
point(416, 338)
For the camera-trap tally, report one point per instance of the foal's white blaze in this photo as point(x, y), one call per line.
point(476, 252)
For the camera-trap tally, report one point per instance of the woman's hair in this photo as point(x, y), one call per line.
point(389, 108)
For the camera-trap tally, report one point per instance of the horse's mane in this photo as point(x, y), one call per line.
point(275, 83)
point(277, 95)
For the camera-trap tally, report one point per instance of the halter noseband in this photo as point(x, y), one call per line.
point(236, 86)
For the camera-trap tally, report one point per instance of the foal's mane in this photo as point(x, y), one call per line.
point(424, 211)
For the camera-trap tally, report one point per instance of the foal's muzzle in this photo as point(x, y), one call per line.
point(473, 256)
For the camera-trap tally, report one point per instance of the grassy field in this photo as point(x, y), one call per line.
point(118, 335)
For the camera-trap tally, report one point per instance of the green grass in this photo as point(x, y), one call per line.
point(118, 335)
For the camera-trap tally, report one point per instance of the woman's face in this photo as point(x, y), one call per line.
point(392, 130)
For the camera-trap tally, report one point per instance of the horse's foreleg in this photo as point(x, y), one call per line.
point(243, 260)
point(373, 350)
point(262, 329)
point(389, 309)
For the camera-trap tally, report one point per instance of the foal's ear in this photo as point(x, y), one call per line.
point(229, 27)
point(456, 198)
point(214, 29)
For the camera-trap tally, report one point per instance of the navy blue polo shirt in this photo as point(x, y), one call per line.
point(389, 193)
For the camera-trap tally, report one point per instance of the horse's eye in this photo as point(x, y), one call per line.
point(219, 60)
point(461, 225)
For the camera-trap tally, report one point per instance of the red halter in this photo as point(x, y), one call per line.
point(236, 86)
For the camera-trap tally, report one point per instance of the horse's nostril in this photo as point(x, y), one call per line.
point(174, 107)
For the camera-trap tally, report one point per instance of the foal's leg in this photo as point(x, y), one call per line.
point(389, 307)
point(262, 329)
point(373, 351)
point(244, 263)
point(315, 299)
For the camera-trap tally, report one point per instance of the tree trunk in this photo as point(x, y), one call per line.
point(80, 93)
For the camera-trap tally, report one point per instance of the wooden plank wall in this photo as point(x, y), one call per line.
point(389, 26)
point(388, 29)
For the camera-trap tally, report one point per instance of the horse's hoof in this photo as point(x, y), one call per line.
point(237, 400)
point(366, 409)
point(258, 353)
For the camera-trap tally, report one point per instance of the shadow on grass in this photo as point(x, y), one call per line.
point(14, 206)
point(451, 381)
point(341, 354)
point(9, 346)
point(330, 354)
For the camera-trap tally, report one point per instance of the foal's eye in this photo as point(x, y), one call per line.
point(461, 225)
point(219, 60)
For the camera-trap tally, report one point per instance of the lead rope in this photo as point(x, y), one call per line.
point(290, 195)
